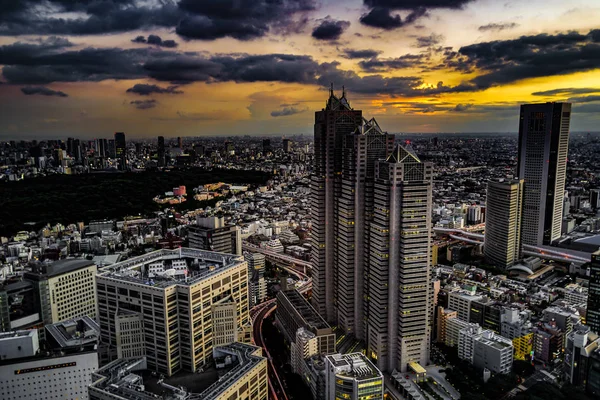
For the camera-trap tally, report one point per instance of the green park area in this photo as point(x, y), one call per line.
point(30, 204)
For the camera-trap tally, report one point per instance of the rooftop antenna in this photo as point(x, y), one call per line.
point(343, 91)
point(331, 89)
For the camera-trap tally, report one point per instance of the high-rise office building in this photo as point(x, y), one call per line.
point(399, 294)
point(595, 198)
point(161, 151)
point(102, 148)
point(121, 150)
point(180, 142)
point(542, 164)
point(212, 234)
point(346, 148)
point(256, 277)
point(593, 305)
point(502, 246)
point(55, 285)
point(287, 145)
point(266, 144)
point(173, 292)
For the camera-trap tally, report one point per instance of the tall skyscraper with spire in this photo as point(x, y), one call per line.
point(364, 280)
point(346, 148)
point(399, 292)
point(542, 163)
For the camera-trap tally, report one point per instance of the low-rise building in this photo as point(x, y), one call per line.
point(64, 368)
point(305, 330)
point(246, 378)
point(493, 352)
point(461, 301)
point(353, 377)
point(443, 316)
point(453, 327)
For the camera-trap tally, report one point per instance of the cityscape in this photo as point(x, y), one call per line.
point(256, 199)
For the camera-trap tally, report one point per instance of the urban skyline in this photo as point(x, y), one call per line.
point(299, 199)
point(181, 69)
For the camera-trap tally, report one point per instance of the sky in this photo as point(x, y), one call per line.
point(88, 68)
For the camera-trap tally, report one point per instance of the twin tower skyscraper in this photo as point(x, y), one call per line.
point(371, 236)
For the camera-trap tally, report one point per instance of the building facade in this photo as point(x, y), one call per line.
point(398, 274)
point(333, 125)
point(246, 378)
point(542, 164)
point(502, 245)
point(212, 234)
point(593, 303)
point(353, 377)
point(256, 276)
point(177, 311)
point(294, 312)
point(62, 371)
point(67, 289)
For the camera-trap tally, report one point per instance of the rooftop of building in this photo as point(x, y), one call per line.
point(202, 264)
point(44, 271)
point(15, 334)
point(354, 365)
point(312, 318)
point(118, 377)
point(73, 333)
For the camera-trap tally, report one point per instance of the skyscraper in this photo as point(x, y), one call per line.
point(593, 306)
point(346, 147)
point(161, 151)
point(121, 150)
point(180, 142)
point(542, 164)
point(503, 227)
point(287, 145)
point(266, 143)
point(332, 123)
point(398, 305)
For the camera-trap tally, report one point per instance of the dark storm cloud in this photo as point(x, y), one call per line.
point(380, 13)
point(98, 17)
point(156, 41)
point(429, 41)
point(286, 111)
point(498, 27)
point(245, 68)
point(146, 90)
point(584, 99)
point(506, 61)
point(405, 61)
point(240, 19)
point(407, 86)
point(206, 19)
point(143, 104)
point(462, 107)
point(380, 17)
point(360, 54)
point(24, 64)
point(566, 91)
point(27, 64)
point(41, 90)
point(330, 29)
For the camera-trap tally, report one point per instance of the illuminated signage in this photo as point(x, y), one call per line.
point(44, 368)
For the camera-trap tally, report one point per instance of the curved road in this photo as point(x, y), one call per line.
point(257, 314)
